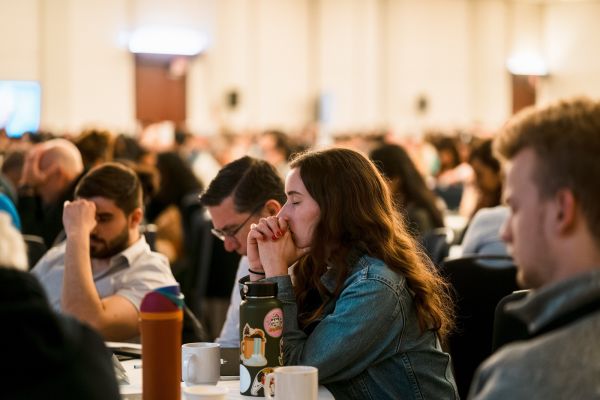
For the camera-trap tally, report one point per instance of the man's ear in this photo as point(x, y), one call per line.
point(273, 206)
point(136, 217)
point(566, 210)
point(54, 169)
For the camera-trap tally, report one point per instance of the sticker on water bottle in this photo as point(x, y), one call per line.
point(253, 347)
point(273, 322)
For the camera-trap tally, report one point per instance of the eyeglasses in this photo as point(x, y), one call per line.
point(222, 234)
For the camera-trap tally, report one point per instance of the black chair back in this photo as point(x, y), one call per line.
point(36, 248)
point(149, 231)
point(508, 328)
point(478, 289)
point(211, 270)
point(193, 329)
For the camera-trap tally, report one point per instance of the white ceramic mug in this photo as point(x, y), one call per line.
point(292, 383)
point(205, 392)
point(200, 363)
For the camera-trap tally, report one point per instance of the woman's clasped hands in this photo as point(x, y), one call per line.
point(271, 248)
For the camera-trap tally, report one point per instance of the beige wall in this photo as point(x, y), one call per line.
point(372, 58)
point(428, 55)
point(490, 100)
point(572, 42)
point(19, 39)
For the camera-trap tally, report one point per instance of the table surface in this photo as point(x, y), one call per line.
point(133, 390)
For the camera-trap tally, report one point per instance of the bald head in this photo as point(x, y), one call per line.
point(62, 154)
point(52, 167)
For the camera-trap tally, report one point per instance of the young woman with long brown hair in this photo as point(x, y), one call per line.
point(366, 308)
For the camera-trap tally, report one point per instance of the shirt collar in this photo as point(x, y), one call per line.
point(131, 253)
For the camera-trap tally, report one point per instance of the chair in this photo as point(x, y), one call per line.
point(211, 270)
point(507, 327)
point(478, 289)
point(36, 248)
point(149, 232)
point(193, 330)
point(189, 207)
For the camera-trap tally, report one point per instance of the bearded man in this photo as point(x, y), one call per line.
point(103, 269)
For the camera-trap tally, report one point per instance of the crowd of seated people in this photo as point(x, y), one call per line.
point(170, 183)
point(342, 239)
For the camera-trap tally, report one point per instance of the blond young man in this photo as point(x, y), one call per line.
point(553, 233)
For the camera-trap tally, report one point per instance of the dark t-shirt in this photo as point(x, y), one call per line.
point(44, 220)
point(47, 355)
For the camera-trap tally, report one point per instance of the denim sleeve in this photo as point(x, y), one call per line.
point(367, 319)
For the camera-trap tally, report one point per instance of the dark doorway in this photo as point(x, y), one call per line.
point(523, 91)
point(160, 88)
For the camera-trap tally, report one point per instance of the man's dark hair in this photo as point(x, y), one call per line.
point(251, 181)
point(113, 181)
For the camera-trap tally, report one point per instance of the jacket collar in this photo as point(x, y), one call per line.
point(544, 306)
point(328, 279)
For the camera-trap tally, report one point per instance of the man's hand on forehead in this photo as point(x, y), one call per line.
point(79, 217)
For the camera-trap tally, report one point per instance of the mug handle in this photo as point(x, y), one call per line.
point(269, 383)
point(187, 361)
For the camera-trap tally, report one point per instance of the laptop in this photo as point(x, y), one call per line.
point(230, 361)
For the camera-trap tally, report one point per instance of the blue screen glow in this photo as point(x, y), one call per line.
point(20, 106)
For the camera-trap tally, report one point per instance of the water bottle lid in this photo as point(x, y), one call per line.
point(163, 299)
point(260, 289)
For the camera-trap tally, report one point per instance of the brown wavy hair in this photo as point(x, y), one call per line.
point(357, 213)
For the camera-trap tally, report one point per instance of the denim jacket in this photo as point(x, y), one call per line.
point(368, 344)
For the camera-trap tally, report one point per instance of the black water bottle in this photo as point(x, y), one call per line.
point(261, 328)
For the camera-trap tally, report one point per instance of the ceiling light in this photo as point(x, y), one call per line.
point(527, 64)
point(176, 41)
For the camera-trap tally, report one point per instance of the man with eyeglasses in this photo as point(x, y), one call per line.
point(244, 191)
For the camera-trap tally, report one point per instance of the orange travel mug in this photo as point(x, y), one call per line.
point(161, 315)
